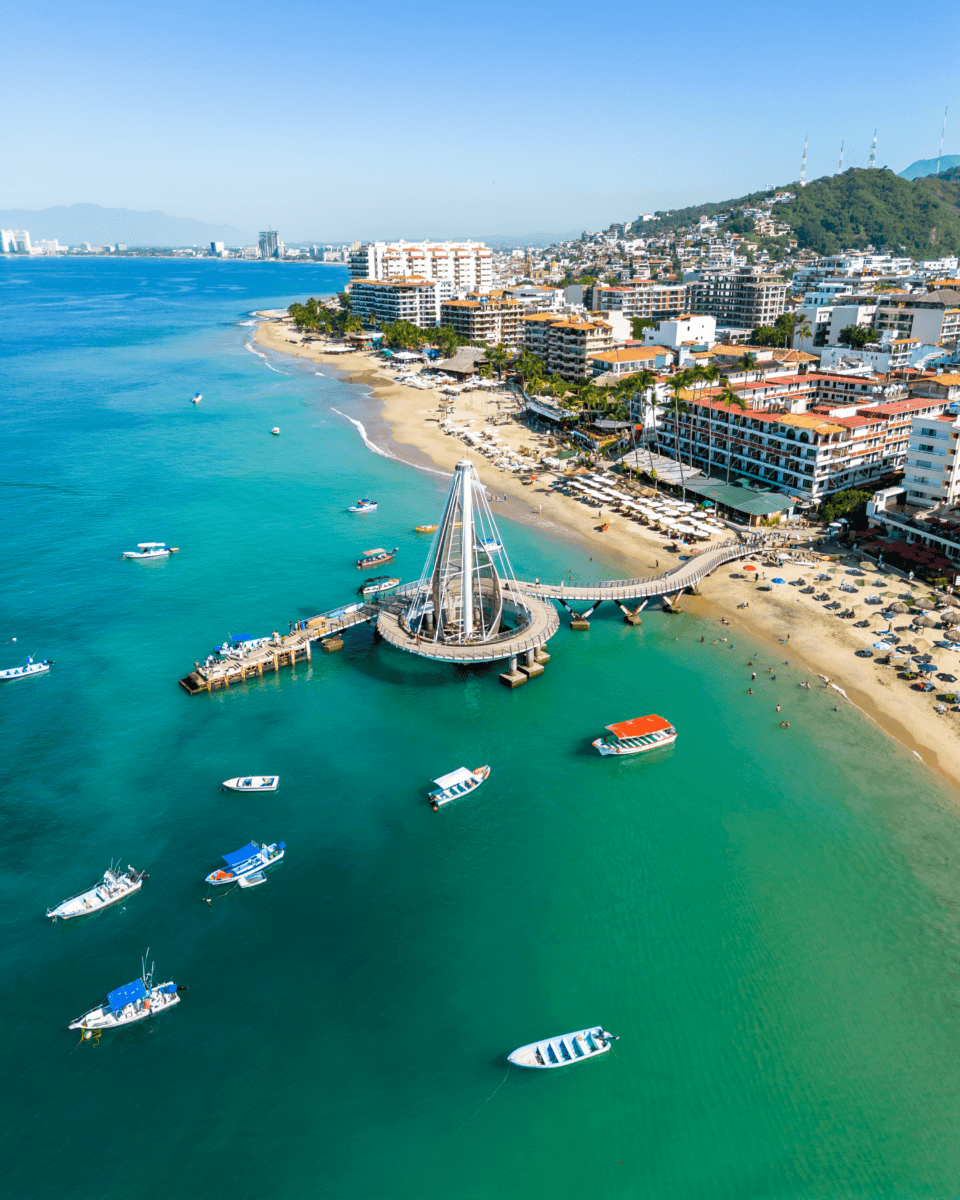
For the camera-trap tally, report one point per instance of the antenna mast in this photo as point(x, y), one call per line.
point(803, 164)
point(942, 132)
point(840, 168)
point(873, 153)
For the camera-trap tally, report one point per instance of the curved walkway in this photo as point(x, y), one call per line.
point(543, 625)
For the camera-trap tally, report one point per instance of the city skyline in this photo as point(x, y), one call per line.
point(184, 112)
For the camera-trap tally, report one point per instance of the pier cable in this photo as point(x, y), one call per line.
point(473, 1114)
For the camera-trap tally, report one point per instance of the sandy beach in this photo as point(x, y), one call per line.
point(792, 626)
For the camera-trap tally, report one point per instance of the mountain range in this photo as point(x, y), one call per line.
point(928, 166)
point(76, 223)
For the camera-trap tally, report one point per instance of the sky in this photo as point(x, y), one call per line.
point(334, 122)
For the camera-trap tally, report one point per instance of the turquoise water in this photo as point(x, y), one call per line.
point(766, 917)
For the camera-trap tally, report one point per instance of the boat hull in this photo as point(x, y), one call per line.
point(447, 795)
point(563, 1051)
point(23, 672)
point(103, 1017)
point(269, 857)
point(607, 748)
point(252, 783)
point(110, 890)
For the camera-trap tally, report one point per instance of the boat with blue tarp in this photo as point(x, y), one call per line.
point(246, 865)
point(133, 1002)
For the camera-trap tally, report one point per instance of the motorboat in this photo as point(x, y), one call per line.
point(424, 529)
point(197, 398)
point(239, 645)
point(563, 1050)
point(378, 584)
point(363, 506)
point(457, 784)
point(637, 736)
point(374, 558)
point(146, 550)
point(249, 861)
point(491, 545)
point(251, 783)
point(115, 885)
point(27, 667)
point(275, 431)
point(128, 1004)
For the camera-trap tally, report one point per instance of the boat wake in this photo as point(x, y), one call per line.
point(361, 428)
point(260, 354)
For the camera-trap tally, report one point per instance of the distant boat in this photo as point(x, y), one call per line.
point(275, 431)
point(133, 1002)
point(457, 784)
point(197, 398)
point(151, 550)
point(491, 545)
point(246, 865)
point(377, 585)
point(637, 736)
point(424, 529)
point(563, 1050)
point(373, 558)
point(27, 667)
point(112, 888)
point(363, 506)
point(251, 783)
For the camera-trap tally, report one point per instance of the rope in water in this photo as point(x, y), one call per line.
point(473, 1114)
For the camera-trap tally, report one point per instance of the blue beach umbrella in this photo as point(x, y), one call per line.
point(927, 667)
point(778, 581)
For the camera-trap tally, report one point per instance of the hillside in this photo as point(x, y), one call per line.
point(928, 166)
point(919, 217)
point(76, 223)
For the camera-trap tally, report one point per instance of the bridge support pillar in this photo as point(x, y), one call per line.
point(512, 677)
point(670, 604)
point(332, 643)
point(541, 655)
point(531, 667)
point(632, 616)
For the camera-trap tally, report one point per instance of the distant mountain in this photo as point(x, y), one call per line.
point(928, 166)
point(100, 226)
point(859, 208)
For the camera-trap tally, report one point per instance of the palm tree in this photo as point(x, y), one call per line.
point(678, 383)
point(801, 328)
point(730, 399)
point(710, 376)
point(498, 357)
point(749, 361)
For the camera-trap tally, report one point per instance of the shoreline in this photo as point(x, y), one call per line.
point(819, 642)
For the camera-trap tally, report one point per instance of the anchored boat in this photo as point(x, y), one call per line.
point(637, 736)
point(150, 550)
point(363, 506)
point(197, 398)
point(564, 1050)
point(246, 865)
point(113, 887)
point(424, 529)
point(251, 783)
point(27, 667)
point(377, 556)
point(458, 783)
point(131, 1003)
point(378, 584)
point(275, 431)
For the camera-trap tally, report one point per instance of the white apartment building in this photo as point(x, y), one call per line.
point(932, 474)
point(15, 241)
point(467, 266)
point(411, 299)
point(933, 317)
point(698, 330)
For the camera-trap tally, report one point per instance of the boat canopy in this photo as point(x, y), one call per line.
point(250, 850)
point(639, 726)
point(238, 638)
point(130, 993)
point(460, 775)
point(151, 545)
point(377, 550)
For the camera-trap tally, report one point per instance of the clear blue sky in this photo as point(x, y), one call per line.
point(337, 121)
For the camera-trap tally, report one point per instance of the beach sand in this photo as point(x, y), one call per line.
point(819, 641)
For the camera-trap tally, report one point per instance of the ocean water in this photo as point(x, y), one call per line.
point(767, 917)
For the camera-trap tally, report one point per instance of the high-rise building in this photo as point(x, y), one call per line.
point(468, 266)
point(15, 241)
point(269, 244)
point(217, 247)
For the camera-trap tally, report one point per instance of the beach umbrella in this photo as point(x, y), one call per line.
point(929, 621)
point(898, 607)
point(749, 567)
point(927, 667)
point(778, 580)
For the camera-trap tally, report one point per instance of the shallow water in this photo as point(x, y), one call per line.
point(767, 917)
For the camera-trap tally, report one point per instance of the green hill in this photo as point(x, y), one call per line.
point(919, 217)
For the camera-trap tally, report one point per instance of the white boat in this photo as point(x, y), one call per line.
point(491, 545)
point(275, 431)
point(197, 398)
point(458, 783)
point(378, 584)
point(250, 860)
point(128, 1004)
point(251, 783)
point(563, 1050)
point(150, 550)
point(637, 736)
point(113, 887)
point(363, 506)
point(27, 667)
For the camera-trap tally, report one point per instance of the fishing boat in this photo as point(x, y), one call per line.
point(637, 736)
point(113, 887)
point(27, 667)
point(247, 863)
point(131, 1003)
point(458, 783)
point(363, 506)
point(197, 398)
point(150, 550)
point(563, 1050)
point(491, 545)
point(374, 558)
point(424, 529)
point(275, 431)
point(251, 783)
point(377, 584)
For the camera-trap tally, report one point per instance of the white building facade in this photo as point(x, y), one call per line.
point(932, 474)
point(466, 266)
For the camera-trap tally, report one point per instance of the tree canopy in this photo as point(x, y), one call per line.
point(857, 336)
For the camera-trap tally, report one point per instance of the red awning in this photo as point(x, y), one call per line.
point(639, 726)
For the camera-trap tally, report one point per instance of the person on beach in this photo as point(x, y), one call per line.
point(749, 691)
point(754, 675)
point(778, 708)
